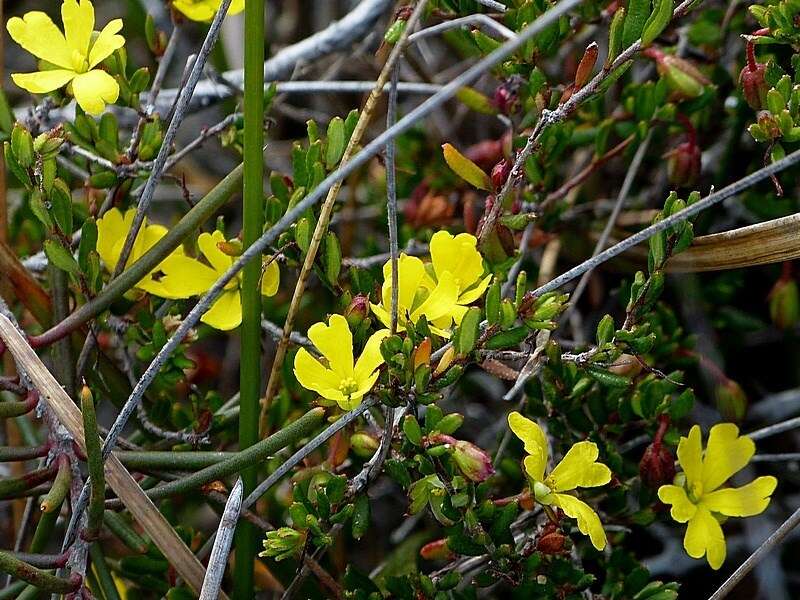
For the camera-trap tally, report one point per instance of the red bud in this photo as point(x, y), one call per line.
point(500, 173)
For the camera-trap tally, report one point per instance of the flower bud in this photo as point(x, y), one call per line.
point(681, 76)
point(283, 543)
point(506, 96)
point(231, 247)
point(784, 303)
point(731, 401)
point(500, 173)
point(357, 310)
point(683, 164)
point(363, 444)
point(551, 541)
point(474, 462)
point(754, 87)
point(657, 466)
point(437, 550)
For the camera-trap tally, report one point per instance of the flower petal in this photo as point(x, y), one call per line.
point(579, 468)
point(354, 399)
point(726, 453)
point(410, 273)
point(459, 256)
point(78, 25)
point(37, 34)
point(588, 521)
point(107, 42)
point(185, 276)
point(371, 357)
point(535, 443)
point(690, 455)
point(312, 375)
point(746, 501)
point(335, 343)
point(226, 313)
point(42, 82)
point(204, 10)
point(704, 537)
point(111, 228)
point(476, 292)
point(441, 300)
point(94, 89)
point(207, 242)
point(270, 279)
point(682, 509)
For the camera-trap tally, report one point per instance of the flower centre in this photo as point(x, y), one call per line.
point(79, 62)
point(695, 491)
point(348, 386)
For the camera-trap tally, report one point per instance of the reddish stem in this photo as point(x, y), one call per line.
point(752, 65)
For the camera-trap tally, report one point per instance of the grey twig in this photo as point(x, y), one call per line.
point(391, 195)
point(493, 4)
point(276, 331)
point(222, 545)
point(748, 565)
point(337, 36)
point(770, 430)
point(627, 183)
point(476, 19)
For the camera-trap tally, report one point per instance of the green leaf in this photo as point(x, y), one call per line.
point(61, 206)
point(468, 331)
point(657, 22)
point(412, 430)
point(87, 244)
point(615, 36)
point(360, 523)
point(60, 257)
point(6, 115)
point(466, 169)
point(333, 258)
point(638, 11)
point(474, 100)
point(22, 145)
point(605, 330)
point(335, 143)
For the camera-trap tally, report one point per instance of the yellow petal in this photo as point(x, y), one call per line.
point(579, 469)
point(204, 10)
point(383, 315)
point(410, 273)
point(459, 256)
point(185, 276)
point(156, 288)
point(312, 375)
point(726, 454)
point(354, 399)
point(107, 42)
point(42, 82)
point(112, 227)
point(534, 441)
point(588, 521)
point(335, 343)
point(94, 89)
point(704, 537)
point(440, 302)
point(37, 34)
point(148, 236)
point(78, 25)
point(371, 357)
point(226, 313)
point(207, 242)
point(690, 456)
point(476, 292)
point(270, 279)
point(746, 501)
point(682, 508)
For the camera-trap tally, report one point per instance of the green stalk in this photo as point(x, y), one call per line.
point(253, 219)
point(60, 488)
point(10, 486)
point(15, 453)
point(170, 461)
point(37, 577)
point(117, 524)
point(94, 457)
point(246, 459)
point(104, 579)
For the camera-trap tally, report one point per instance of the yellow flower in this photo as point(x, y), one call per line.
point(112, 230)
point(69, 58)
point(578, 468)
point(459, 256)
point(204, 10)
point(699, 500)
point(418, 295)
point(339, 378)
point(185, 276)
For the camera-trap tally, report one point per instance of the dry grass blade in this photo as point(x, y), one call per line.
point(120, 480)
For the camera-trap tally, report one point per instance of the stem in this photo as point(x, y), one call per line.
point(41, 579)
point(15, 408)
point(94, 457)
point(252, 456)
point(58, 491)
point(13, 485)
point(14, 453)
point(752, 64)
point(104, 579)
point(253, 217)
point(136, 460)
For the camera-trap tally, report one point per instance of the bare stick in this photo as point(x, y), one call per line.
point(222, 545)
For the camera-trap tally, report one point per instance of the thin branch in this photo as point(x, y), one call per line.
point(222, 545)
point(770, 430)
point(476, 19)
